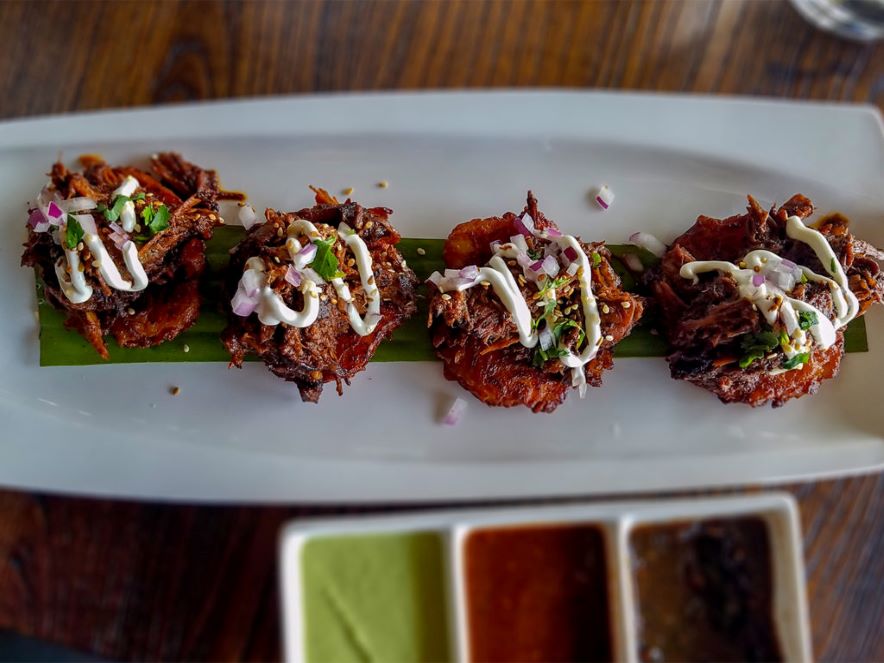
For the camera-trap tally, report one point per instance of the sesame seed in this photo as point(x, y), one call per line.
point(605, 308)
point(276, 259)
point(609, 338)
point(351, 262)
point(625, 304)
point(323, 297)
point(80, 246)
point(186, 347)
point(316, 375)
point(383, 184)
point(348, 191)
point(421, 252)
point(212, 217)
point(369, 225)
point(446, 296)
point(175, 391)
point(130, 311)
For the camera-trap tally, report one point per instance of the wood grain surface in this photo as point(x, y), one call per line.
point(148, 581)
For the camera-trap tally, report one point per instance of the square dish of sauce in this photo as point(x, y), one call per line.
point(537, 593)
point(704, 591)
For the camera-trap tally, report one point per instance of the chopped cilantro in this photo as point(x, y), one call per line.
point(833, 266)
point(596, 259)
point(160, 220)
point(553, 284)
point(325, 263)
point(147, 215)
point(796, 361)
point(542, 356)
point(113, 212)
point(138, 196)
point(784, 338)
point(535, 254)
point(807, 319)
point(156, 219)
point(566, 324)
point(73, 232)
point(756, 346)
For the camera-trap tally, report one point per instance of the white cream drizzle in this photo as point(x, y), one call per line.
point(271, 307)
point(499, 276)
point(71, 277)
point(775, 304)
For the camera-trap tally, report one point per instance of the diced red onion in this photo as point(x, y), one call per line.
point(537, 267)
point(293, 276)
point(470, 272)
point(519, 241)
point(250, 282)
point(242, 304)
point(455, 412)
point(247, 216)
point(648, 242)
point(494, 245)
point(80, 204)
point(308, 252)
point(633, 262)
point(604, 197)
point(87, 222)
point(436, 279)
point(119, 239)
point(553, 232)
point(524, 260)
point(38, 222)
point(788, 264)
point(573, 268)
point(551, 266)
point(570, 253)
point(757, 280)
point(525, 225)
point(53, 211)
point(113, 225)
point(783, 280)
point(552, 249)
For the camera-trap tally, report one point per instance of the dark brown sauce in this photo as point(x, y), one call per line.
point(704, 591)
point(537, 594)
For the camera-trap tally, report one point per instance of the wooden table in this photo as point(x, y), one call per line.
point(148, 581)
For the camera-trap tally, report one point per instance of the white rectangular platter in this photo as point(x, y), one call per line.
point(244, 436)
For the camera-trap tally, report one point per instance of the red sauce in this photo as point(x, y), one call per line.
point(537, 594)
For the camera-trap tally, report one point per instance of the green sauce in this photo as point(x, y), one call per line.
point(375, 598)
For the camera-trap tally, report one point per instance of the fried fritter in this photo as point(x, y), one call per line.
point(708, 323)
point(474, 335)
point(175, 210)
point(329, 349)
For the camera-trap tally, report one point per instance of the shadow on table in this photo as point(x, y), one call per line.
point(15, 647)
